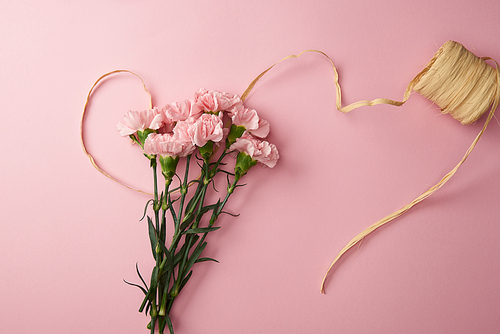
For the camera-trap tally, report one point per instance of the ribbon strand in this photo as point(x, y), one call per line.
point(82, 122)
point(493, 104)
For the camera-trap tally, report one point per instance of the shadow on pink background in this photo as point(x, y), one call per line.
point(70, 235)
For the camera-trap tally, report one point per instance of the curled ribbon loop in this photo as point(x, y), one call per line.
point(82, 123)
point(338, 91)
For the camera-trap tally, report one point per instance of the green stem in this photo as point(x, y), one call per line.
point(189, 238)
point(200, 205)
point(230, 190)
point(163, 288)
point(156, 208)
point(164, 297)
point(183, 190)
point(177, 222)
point(156, 205)
point(219, 210)
point(165, 208)
point(153, 314)
point(178, 233)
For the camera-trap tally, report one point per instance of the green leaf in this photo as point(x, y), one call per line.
point(154, 278)
point(146, 299)
point(210, 207)
point(134, 139)
point(146, 209)
point(229, 213)
point(187, 221)
point(198, 216)
point(161, 324)
point(204, 259)
point(194, 200)
point(201, 230)
point(196, 253)
point(180, 253)
point(177, 257)
point(163, 230)
point(185, 280)
point(173, 190)
point(139, 274)
point(169, 324)
point(167, 254)
point(153, 324)
point(171, 208)
point(137, 285)
point(215, 212)
point(152, 237)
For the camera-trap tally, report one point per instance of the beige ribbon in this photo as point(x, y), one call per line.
point(357, 239)
point(82, 123)
point(338, 91)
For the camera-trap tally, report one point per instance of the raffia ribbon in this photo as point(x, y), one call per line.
point(82, 125)
point(458, 81)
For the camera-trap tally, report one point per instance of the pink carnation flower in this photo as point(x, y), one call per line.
point(184, 131)
point(249, 119)
point(134, 121)
point(167, 145)
point(212, 100)
point(181, 111)
point(199, 132)
point(257, 149)
point(167, 127)
point(207, 127)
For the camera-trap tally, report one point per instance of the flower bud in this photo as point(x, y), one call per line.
point(207, 150)
point(142, 135)
point(243, 164)
point(168, 166)
point(236, 131)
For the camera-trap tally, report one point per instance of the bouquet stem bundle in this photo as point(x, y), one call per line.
point(173, 267)
point(192, 129)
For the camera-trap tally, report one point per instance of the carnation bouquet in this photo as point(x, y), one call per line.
point(206, 130)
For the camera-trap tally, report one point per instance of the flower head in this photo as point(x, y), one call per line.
point(249, 119)
point(184, 131)
point(207, 127)
point(135, 121)
point(213, 100)
point(181, 111)
point(259, 150)
point(167, 145)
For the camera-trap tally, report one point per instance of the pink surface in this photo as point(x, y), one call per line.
point(70, 235)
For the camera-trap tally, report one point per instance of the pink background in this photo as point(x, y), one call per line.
point(69, 235)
